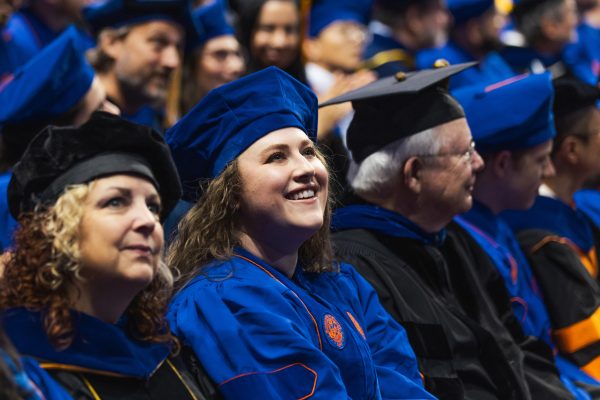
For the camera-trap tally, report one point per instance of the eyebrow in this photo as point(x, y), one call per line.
point(284, 147)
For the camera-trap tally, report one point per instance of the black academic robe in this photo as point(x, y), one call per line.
point(468, 343)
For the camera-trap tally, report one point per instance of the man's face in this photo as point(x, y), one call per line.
point(432, 31)
point(145, 59)
point(448, 178)
point(525, 174)
point(339, 46)
point(562, 28)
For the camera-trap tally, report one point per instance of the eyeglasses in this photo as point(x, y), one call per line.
point(468, 154)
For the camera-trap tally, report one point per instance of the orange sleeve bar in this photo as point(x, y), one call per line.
point(579, 335)
point(593, 368)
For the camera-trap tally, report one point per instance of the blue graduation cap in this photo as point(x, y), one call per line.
point(117, 13)
point(49, 85)
point(230, 118)
point(212, 20)
point(325, 12)
point(506, 116)
point(464, 10)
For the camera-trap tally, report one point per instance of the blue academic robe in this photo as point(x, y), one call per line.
point(588, 201)
point(454, 54)
point(261, 335)
point(98, 347)
point(386, 56)
point(583, 56)
point(559, 243)
point(523, 59)
point(146, 116)
point(7, 222)
point(497, 239)
point(33, 380)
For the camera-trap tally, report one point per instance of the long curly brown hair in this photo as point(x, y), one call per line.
point(210, 231)
point(42, 271)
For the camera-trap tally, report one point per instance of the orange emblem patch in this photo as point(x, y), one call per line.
point(333, 331)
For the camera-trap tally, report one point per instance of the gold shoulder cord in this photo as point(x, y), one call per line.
point(90, 387)
point(181, 379)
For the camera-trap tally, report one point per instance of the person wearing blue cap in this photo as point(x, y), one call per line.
point(413, 170)
point(34, 26)
point(85, 289)
point(139, 47)
point(560, 241)
point(333, 48)
point(216, 57)
point(57, 87)
point(475, 33)
point(400, 28)
point(260, 302)
point(516, 147)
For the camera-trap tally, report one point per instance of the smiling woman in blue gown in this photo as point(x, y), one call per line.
point(261, 303)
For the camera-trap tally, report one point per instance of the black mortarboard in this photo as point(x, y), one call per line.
point(399, 106)
point(572, 94)
point(105, 145)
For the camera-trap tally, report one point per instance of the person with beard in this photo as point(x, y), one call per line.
point(413, 170)
point(476, 32)
point(400, 28)
point(139, 47)
point(560, 241)
point(516, 147)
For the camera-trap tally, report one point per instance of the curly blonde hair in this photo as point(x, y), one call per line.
point(45, 266)
point(210, 230)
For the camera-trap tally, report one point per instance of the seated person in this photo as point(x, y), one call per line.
point(260, 302)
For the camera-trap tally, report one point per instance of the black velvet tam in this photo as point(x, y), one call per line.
point(106, 145)
point(572, 94)
point(399, 106)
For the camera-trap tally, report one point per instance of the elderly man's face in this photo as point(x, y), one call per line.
point(449, 177)
point(146, 58)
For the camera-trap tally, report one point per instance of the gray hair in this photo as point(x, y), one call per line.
point(376, 173)
point(529, 22)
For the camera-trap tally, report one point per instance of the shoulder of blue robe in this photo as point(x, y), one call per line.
point(253, 335)
point(583, 55)
point(588, 201)
point(394, 358)
point(147, 116)
point(7, 222)
point(386, 56)
point(565, 222)
point(97, 346)
point(501, 245)
point(49, 388)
